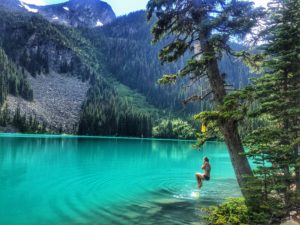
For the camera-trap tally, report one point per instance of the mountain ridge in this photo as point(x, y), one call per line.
point(75, 13)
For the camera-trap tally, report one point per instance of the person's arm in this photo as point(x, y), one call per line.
point(203, 166)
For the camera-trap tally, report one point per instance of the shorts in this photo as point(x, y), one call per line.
point(206, 177)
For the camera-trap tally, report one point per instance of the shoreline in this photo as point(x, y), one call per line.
point(20, 135)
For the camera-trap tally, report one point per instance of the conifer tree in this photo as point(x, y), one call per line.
point(276, 145)
point(210, 25)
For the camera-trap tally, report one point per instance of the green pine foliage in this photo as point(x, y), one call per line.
point(275, 146)
point(27, 124)
point(4, 116)
point(104, 113)
point(24, 123)
point(12, 81)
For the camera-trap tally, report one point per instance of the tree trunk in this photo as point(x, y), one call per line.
point(229, 128)
point(236, 150)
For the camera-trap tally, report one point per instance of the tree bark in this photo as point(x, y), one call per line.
point(236, 150)
point(229, 128)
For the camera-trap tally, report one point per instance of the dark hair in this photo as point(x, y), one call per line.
point(206, 159)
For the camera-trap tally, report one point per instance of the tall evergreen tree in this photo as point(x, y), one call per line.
point(209, 25)
point(277, 144)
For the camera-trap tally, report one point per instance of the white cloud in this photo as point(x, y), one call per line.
point(34, 2)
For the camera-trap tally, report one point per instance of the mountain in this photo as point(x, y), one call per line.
point(75, 13)
point(90, 80)
point(69, 82)
point(78, 13)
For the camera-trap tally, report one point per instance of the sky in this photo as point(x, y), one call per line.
point(121, 7)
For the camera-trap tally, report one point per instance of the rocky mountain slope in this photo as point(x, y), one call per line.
point(57, 101)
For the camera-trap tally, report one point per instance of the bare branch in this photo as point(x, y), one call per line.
point(195, 98)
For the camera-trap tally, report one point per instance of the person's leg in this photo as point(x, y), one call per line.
point(199, 177)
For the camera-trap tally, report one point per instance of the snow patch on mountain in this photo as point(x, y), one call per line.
point(29, 9)
point(99, 23)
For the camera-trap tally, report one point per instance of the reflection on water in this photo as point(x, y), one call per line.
point(108, 180)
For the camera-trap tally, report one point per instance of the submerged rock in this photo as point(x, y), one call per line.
point(132, 215)
point(154, 210)
point(167, 201)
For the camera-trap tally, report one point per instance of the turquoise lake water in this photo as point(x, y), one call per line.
point(76, 180)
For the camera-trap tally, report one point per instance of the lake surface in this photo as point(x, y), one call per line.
point(76, 180)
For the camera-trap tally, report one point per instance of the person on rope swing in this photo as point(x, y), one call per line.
point(206, 175)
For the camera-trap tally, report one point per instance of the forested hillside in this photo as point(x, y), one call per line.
point(12, 81)
point(133, 60)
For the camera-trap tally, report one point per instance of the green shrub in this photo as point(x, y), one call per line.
point(233, 212)
point(177, 129)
